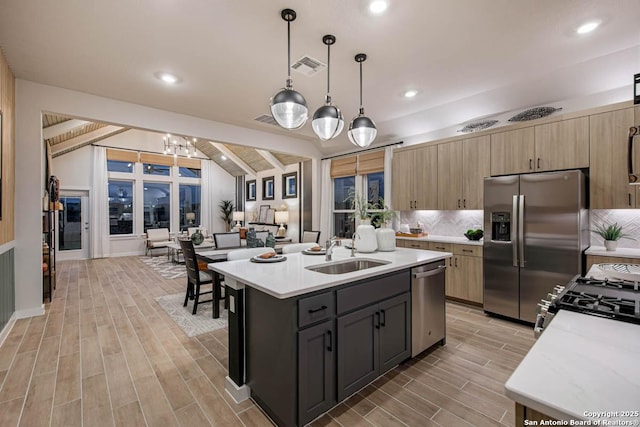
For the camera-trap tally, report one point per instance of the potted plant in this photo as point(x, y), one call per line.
point(360, 206)
point(611, 234)
point(386, 237)
point(365, 235)
point(226, 213)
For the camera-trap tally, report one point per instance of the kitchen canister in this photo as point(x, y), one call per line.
point(365, 239)
point(386, 238)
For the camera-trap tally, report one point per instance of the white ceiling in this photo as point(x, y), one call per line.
point(469, 59)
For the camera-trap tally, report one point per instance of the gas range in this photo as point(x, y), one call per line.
point(610, 298)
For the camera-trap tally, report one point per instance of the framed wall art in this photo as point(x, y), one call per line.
point(250, 192)
point(262, 214)
point(290, 185)
point(267, 188)
point(271, 216)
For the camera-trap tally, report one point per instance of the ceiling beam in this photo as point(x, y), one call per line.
point(64, 127)
point(271, 159)
point(85, 139)
point(235, 159)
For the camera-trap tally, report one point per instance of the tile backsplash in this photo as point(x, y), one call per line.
point(455, 223)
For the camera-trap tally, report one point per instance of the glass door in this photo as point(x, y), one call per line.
point(73, 225)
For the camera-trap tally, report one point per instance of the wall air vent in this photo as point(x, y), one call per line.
point(308, 66)
point(266, 119)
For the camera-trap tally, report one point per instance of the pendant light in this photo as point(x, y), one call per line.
point(362, 130)
point(328, 121)
point(288, 107)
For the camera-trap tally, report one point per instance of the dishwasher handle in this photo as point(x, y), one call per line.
point(429, 273)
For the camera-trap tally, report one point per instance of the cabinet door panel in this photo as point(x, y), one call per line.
point(403, 182)
point(426, 177)
point(562, 145)
point(512, 152)
point(358, 356)
point(450, 175)
point(471, 276)
point(608, 180)
point(454, 279)
point(316, 371)
point(395, 331)
point(476, 165)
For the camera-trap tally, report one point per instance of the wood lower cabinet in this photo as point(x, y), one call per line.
point(599, 259)
point(608, 172)
point(526, 416)
point(371, 341)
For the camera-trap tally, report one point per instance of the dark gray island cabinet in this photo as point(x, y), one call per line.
point(307, 353)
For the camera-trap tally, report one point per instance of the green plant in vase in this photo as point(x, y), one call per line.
point(360, 206)
point(226, 213)
point(611, 234)
point(383, 217)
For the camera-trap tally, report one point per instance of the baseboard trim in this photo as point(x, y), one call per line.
point(30, 312)
point(238, 394)
point(7, 328)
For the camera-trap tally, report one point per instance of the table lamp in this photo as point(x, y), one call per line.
point(238, 217)
point(190, 217)
point(282, 217)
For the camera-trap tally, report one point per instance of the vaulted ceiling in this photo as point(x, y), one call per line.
point(65, 134)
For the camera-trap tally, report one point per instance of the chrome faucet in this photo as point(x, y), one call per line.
point(353, 244)
point(330, 244)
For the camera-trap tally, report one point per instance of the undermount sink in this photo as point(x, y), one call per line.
point(347, 266)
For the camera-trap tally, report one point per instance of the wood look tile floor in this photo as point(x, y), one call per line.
point(106, 354)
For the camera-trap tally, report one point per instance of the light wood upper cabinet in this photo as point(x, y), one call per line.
point(512, 151)
point(476, 159)
point(450, 172)
point(562, 145)
point(415, 179)
point(608, 180)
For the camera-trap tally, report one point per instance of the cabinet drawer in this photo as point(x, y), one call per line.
point(315, 309)
point(470, 250)
point(372, 290)
point(416, 244)
point(442, 247)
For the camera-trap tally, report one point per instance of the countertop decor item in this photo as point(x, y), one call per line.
point(611, 234)
point(197, 237)
point(385, 236)
point(328, 121)
point(476, 234)
point(534, 113)
point(362, 130)
point(288, 107)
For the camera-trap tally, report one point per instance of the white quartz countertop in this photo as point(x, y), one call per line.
point(580, 366)
point(290, 278)
point(444, 239)
point(619, 253)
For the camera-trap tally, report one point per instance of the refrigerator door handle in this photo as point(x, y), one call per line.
point(521, 230)
point(514, 228)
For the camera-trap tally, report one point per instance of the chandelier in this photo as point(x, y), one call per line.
point(179, 145)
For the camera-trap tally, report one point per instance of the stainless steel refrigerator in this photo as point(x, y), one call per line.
point(536, 230)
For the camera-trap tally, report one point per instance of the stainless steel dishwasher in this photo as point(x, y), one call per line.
point(427, 306)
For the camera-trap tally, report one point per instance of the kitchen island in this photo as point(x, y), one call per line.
point(312, 339)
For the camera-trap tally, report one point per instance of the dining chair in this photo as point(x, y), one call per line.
point(226, 240)
point(196, 278)
point(248, 253)
point(310, 236)
point(297, 247)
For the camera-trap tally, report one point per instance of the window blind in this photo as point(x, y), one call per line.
point(186, 162)
point(157, 159)
point(344, 166)
point(370, 162)
point(122, 155)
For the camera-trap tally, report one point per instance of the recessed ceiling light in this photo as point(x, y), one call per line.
point(587, 27)
point(378, 6)
point(410, 93)
point(223, 157)
point(168, 78)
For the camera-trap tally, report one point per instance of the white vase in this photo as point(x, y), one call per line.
point(610, 245)
point(386, 238)
point(365, 240)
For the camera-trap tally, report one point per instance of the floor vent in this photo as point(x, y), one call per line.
point(308, 66)
point(267, 119)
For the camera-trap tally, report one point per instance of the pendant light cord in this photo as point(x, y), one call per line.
point(289, 51)
point(361, 87)
point(328, 71)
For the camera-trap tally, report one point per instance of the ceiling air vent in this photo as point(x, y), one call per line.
point(308, 66)
point(267, 119)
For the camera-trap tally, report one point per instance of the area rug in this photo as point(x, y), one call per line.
point(165, 267)
point(192, 325)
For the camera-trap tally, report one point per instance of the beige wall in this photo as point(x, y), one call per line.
point(7, 107)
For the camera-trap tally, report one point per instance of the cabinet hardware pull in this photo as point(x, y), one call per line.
point(456, 262)
point(629, 194)
point(315, 310)
point(464, 203)
point(530, 164)
point(538, 163)
point(383, 316)
point(377, 320)
point(330, 346)
point(458, 203)
point(440, 247)
point(467, 250)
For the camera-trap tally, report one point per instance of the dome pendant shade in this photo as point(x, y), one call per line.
point(289, 109)
point(362, 131)
point(327, 122)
